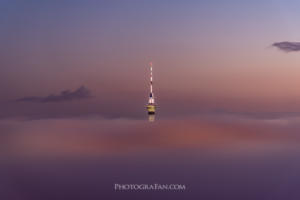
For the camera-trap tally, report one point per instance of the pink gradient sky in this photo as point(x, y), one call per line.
point(206, 56)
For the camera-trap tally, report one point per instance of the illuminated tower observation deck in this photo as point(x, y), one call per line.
point(151, 104)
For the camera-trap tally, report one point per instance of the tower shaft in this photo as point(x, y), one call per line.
point(151, 97)
point(151, 106)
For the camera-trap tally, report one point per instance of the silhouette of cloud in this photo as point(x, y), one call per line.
point(287, 46)
point(66, 95)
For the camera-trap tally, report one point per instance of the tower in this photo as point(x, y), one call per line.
point(151, 104)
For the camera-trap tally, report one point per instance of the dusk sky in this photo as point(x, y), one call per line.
point(74, 85)
point(208, 55)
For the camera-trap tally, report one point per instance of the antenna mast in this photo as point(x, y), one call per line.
point(151, 105)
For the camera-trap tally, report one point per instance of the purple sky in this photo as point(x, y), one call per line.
point(207, 56)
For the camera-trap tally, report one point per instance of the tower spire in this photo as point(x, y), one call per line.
point(151, 105)
point(151, 97)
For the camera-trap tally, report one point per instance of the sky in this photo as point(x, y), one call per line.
point(207, 56)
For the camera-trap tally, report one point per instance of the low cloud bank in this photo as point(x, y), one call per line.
point(98, 136)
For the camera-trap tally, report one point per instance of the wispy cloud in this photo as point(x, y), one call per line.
point(66, 95)
point(287, 46)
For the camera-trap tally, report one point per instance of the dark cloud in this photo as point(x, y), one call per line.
point(67, 95)
point(287, 46)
